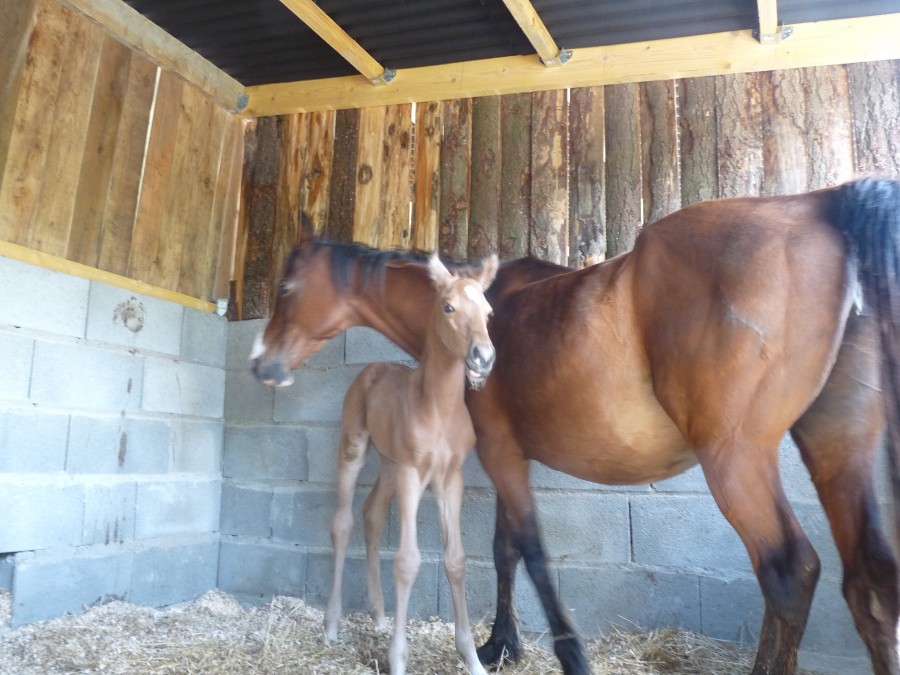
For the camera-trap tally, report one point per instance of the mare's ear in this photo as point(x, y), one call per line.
point(307, 235)
point(486, 271)
point(437, 271)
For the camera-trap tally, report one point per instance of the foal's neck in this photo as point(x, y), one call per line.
point(441, 373)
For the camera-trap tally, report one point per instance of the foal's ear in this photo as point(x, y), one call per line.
point(437, 271)
point(486, 271)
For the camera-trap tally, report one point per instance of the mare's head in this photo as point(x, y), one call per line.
point(460, 315)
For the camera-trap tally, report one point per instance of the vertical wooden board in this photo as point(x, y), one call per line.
point(659, 147)
point(783, 99)
point(369, 165)
point(549, 238)
point(397, 192)
point(29, 145)
point(65, 149)
point(875, 102)
point(623, 167)
point(16, 23)
point(739, 141)
point(317, 170)
point(342, 197)
point(152, 208)
point(456, 162)
point(294, 141)
point(226, 210)
point(515, 175)
point(428, 136)
point(484, 221)
point(587, 178)
point(100, 146)
point(829, 124)
point(697, 135)
point(120, 209)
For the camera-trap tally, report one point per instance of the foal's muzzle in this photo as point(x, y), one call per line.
point(479, 362)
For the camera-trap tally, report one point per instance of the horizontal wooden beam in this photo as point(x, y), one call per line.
point(52, 262)
point(143, 36)
point(536, 32)
point(812, 44)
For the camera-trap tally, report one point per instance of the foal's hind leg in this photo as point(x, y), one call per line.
point(374, 515)
point(351, 457)
point(839, 437)
point(746, 485)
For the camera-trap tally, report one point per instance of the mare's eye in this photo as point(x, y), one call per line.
point(449, 309)
point(283, 289)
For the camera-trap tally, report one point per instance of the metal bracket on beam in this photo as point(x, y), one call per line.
point(385, 77)
point(783, 33)
point(558, 60)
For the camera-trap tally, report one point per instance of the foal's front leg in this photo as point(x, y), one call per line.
point(449, 502)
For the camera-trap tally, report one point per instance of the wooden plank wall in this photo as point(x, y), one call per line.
point(109, 162)
point(570, 176)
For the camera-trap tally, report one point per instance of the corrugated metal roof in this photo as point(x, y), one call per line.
point(262, 42)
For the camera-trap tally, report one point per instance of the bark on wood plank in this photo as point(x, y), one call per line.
point(16, 23)
point(484, 221)
point(100, 145)
point(623, 167)
point(456, 162)
point(587, 178)
point(829, 126)
point(549, 177)
point(515, 178)
point(396, 165)
point(342, 197)
point(429, 133)
point(739, 118)
point(318, 169)
point(698, 133)
point(227, 212)
point(294, 141)
point(875, 100)
point(369, 175)
point(785, 158)
point(659, 142)
point(120, 210)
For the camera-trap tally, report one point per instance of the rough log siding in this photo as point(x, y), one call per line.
point(587, 178)
point(486, 160)
point(624, 190)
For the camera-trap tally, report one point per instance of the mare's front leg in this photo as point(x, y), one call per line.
point(508, 469)
point(505, 643)
point(375, 512)
point(406, 564)
point(449, 501)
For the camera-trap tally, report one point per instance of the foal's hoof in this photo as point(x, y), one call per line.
point(380, 621)
point(496, 652)
point(331, 632)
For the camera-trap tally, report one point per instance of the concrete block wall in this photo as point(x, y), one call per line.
point(111, 434)
point(655, 555)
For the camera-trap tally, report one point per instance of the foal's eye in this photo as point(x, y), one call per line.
point(449, 309)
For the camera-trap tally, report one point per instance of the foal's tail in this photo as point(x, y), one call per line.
point(868, 215)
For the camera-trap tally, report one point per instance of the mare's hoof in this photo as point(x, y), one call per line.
point(496, 652)
point(572, 656)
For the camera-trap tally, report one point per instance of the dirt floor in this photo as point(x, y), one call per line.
point(216, 635)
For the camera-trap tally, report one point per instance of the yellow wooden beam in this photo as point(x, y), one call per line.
point(536, 32)
point(143, 36)
point(812, 44)
point(769, 32)
point(325, 27)
point(52, 262)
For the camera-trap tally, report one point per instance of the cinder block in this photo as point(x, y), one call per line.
point(177, 507)
point(423, 600)
point(48, 584)
point(732, 608)
point(602, 598)
point(261, 569)
point(473, 473)
point(246, 400)
point(330, 354)
point(602, 530)
point(120, 317)
point(165, 575)
point(44, 300)
point(542, 476)
point(199, 446)
point(18, 352)
point(322, 455)
point(265, 452)
point(80, 376)
point(831, 629)
point(691, 481)
point(246, 509)
point(204, 338)
point(241, 335)
point(109, 510)
point(183, 388)
point(118, 445)
point(365, 345)
point(47, 514)
point(303, 515)
point(6, 570)
point(32, 441)
point(316, 396)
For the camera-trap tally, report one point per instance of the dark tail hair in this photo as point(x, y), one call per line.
point(869, 217)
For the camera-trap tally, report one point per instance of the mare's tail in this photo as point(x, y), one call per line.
point(868, 215)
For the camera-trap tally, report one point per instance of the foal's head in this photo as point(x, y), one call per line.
point(460, 315)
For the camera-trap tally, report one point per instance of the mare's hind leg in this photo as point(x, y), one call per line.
point(351, 457)
point(375, 512)
point(505, 643)
point(839, 437)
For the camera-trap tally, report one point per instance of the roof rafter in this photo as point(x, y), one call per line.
point(769, 31)
point(536, 32)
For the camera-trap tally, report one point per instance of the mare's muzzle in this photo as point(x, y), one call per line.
point(273, 372)
point(479, 362)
